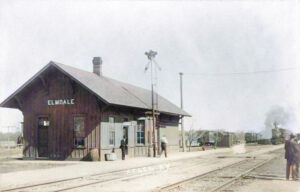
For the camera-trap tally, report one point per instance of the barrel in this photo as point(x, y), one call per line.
point(94, 154)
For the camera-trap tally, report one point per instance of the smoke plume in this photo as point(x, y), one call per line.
point(276, 115)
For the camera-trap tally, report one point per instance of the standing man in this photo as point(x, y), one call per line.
point(297, 159)
point(164, 143)
point(290, 157)
point(123, 147)
point(20, 141)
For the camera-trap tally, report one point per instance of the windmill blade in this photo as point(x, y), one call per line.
point(148, 55)
point(147, 66)
point(159, 68)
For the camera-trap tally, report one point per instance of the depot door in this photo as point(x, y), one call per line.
point(43, 125)
point(125, 134)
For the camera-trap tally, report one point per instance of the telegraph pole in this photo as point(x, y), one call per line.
point(182, 122)
point(151, 54)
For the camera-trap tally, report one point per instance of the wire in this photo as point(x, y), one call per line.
point(244, 73)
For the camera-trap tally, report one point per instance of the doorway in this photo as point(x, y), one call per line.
point(125, 134)
point(43, 125)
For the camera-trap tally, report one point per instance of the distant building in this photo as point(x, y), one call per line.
point(68, 112)
point(251, 137)
point(221, 138)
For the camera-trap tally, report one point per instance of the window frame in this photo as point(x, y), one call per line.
point(111, 131)
point(83, 137)
point(140, 133)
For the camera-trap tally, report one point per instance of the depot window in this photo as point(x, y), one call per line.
point(112, 132)
point(79, 127)
point(140, 132)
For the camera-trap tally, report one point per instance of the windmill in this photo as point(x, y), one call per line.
point(154, 99)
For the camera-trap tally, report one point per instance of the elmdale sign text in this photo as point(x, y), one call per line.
point(61, 102)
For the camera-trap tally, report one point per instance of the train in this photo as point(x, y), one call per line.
point(279, 135)
point(220, 138)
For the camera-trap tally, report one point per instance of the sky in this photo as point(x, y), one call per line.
point(239, 58)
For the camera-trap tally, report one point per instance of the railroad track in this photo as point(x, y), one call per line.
point(120, 175)
point(104, 178)
point(219, 179)
point(275, 170)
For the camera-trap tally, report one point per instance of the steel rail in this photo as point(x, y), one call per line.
point(241, 175)
point(185, 181)
point(193, 165)
point(120, 178)
point(105, 174)
point(179, 183)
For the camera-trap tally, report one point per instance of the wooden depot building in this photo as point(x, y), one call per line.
point(68, 112)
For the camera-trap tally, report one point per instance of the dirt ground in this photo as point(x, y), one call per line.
point(11, 161)
point(268, 178)
point(14, 172)
point(10, 154)
point(270, 186)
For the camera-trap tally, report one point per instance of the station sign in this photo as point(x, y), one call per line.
point(61, 102)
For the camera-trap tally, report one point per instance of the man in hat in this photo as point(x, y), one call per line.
point(164, 143)
point(297, 158)
point(123, 147)
point(290, 156)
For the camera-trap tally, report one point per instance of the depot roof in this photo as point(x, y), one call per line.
point(108, 90)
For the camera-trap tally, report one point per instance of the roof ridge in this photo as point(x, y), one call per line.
point(109, 78)
point(123, 85)
point(110, 91)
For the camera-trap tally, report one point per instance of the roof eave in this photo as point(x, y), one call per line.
point(164, 112)
point(3, 103)
point(51, 63)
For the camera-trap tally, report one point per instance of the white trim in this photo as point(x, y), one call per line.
point(127, 123)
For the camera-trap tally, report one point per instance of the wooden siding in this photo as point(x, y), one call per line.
point(60, 131)
point(53, 84)
point(171, 133)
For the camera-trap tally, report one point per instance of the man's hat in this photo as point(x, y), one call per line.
point(292, 136)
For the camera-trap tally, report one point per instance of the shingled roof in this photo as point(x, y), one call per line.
point(109, 90)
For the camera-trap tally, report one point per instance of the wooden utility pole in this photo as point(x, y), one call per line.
point(151, 54)
point(182, 122)
point(154, 123)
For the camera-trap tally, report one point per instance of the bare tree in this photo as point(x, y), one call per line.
point(192, 135)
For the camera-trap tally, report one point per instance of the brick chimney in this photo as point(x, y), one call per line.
point(97, 66)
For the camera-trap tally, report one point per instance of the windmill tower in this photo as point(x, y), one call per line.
point(154, 137)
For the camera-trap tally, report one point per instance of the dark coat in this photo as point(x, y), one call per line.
point(297, 159)
point(287, 146)
point(123, 145)
point(295, 151)
point(20, 140)
point(291, 151)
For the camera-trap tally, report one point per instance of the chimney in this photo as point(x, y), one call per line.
point(97, 66)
